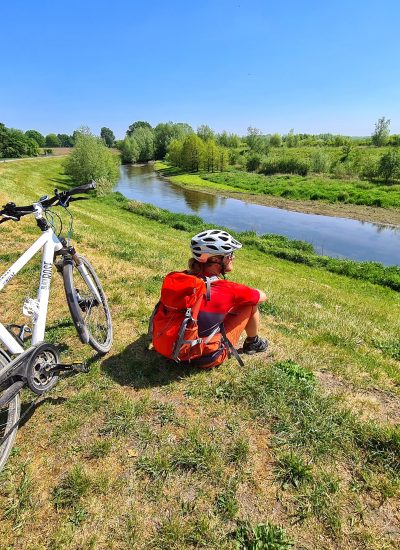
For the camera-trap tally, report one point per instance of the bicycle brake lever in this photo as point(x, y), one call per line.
point(7, 217)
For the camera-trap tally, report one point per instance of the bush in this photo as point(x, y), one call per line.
point(253, 162)
point(285, 166)
point(389, 165)
point(92, 160)
point(320, 161)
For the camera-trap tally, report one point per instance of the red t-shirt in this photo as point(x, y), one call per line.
point(225, 296)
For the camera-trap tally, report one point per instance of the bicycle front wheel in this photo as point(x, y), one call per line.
point(9, 416)
point(88, 304)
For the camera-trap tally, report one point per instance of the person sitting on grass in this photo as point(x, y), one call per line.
point(233, 304)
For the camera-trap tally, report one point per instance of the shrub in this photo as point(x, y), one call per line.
point(264, 535)
point(389, 165)
point(253, 162)
point(91, 160)
point(285, 166)
point(320, 161)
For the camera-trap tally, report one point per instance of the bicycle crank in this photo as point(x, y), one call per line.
point(65, 367)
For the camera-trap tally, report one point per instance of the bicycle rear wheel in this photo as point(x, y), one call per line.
point(9, 415)
point(91, 316)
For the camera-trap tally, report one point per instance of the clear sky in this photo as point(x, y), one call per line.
point(310, 65)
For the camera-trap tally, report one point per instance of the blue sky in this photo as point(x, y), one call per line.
point(309, 65)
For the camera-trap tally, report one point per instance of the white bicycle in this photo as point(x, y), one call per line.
point(38, 366)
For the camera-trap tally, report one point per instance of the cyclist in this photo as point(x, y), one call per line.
point(232, 303)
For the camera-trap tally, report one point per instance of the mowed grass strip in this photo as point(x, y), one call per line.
point(298, 447)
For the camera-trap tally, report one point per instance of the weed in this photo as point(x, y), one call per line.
point(78, 516)
point(291, 469)
point(157, 466)
point(99, 449)
point(75, 485)
point(165, 413)
point(226, 503)
point(238, 452)
point(193, 453)
point(265, 536)
point(22, 500)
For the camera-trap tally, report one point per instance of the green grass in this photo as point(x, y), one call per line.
point(312, 187)
point(298, 447)
point(279, 246)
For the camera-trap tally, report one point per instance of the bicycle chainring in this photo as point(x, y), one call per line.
point(38, 374)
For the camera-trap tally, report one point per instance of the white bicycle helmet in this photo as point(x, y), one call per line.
point(213, 242)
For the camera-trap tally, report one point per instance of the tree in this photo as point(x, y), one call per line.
point(37, 136)
point(91, 159)
point(165, 132)
point(211, 154)
point(205, 132)
point(389, 165)
point(253, 162)
point(15, 144)
point(52, 141)
point(291, 139)
point(138, 124)
point(192, 153)
point(381, 133)
point(144, 138)
point(275, 140)
point(229, 140)
point(129, 150)
point(65, 140)
point(255, 140)
point(108, 136)
point(174, 152)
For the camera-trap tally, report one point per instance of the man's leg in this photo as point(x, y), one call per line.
point(245, 318)
point(242, 319)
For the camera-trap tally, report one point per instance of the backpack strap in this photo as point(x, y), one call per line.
point(209, 280)
point(150, 329)
point(230, 347)
point(181, 335)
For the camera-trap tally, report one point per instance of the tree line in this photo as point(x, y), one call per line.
point(206, 150)
point(16, 143)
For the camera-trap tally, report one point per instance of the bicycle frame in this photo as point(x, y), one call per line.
point(50, 244)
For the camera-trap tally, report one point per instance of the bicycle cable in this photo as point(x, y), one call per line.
point(69, 234)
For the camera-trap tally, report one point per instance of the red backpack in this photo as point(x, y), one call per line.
point(173, 324)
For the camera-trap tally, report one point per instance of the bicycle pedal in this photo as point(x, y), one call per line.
point(80, 367)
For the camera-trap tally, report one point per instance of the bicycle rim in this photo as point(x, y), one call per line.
point(9, 415)
point(92, 319)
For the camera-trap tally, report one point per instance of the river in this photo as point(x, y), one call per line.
point(331, 236)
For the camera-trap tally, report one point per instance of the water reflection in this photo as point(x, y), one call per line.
point(339, 237)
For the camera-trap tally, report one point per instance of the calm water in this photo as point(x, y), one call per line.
point(331, 236)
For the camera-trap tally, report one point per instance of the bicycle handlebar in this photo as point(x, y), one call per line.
point(13, 212)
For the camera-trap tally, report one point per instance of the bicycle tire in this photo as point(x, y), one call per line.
point(91, 319)
point(9, 416)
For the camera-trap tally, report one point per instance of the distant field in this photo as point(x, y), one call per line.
point(301, 445)
point(57, 151)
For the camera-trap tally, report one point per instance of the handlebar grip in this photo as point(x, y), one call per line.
point(83, 188)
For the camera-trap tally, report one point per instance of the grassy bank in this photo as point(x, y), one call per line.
point(313, 193)
point(298, 446)
point(279, 246)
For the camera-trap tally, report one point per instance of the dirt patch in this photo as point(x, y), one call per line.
point(374, 404)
